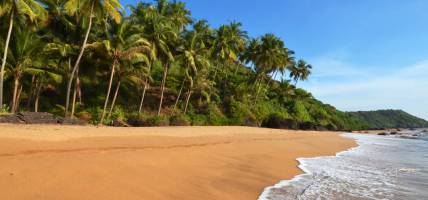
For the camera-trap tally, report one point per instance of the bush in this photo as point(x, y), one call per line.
point(179, 120)
point(5, 109)
point(198, 120)
point(240, 114)
point(157, 121)
point(215, 116)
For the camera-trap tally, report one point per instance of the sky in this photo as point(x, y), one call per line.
point(366, 54)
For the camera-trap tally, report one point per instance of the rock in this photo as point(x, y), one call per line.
point(10, 118)
point(382, 133)
point(307, 126)
point(280, 123)
point(393, 133)
point(38, 118)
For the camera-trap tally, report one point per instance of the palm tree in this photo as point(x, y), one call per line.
point(229, 43)
point(29, 10)
point(91, 9)
point(25, 47)
point(162, 23)
point(268, 54)
point(125, 42)
point(300, 71)
point(194, 56)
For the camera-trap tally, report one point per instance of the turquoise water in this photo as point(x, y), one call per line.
point(382, 167)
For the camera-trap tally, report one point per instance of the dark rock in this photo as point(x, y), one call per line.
point(280, 123)
point(10, 118)
point(307, 126)
point(250, 122)
point(383, 133)
point(393, 133)
point(38, 118)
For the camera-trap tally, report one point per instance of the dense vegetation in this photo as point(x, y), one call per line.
point(382, 119)
point(155, 66)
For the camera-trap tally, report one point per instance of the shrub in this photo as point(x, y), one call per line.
point(240, 114)
point(215, 116)
point(179, 120)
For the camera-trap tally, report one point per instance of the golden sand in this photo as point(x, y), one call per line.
point(85, 162)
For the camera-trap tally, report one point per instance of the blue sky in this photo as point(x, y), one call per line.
point(366, 54)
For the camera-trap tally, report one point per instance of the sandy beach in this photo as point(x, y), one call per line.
point(84, 162)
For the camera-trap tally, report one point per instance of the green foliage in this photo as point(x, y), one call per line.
point(299, 112)
point(179, 120)
point(389, 119)
point(4, 109)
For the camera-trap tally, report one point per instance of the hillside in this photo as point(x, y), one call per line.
point(389, 119)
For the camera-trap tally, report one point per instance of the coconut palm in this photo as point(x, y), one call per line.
point(194, 56)
point(90, 9)
point(22, 57)
point(22, 10)
point(162, 23)
point(125, 43)
point(230, 41)
point(268, 55)
point(300, 71)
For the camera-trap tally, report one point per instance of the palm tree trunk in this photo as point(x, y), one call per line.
point(179, 94)
point(114, 99)
point(165, 72)
point(3, 64)
point(108, 91)
point(258, 92)
point(31, 93)
point(73, 105)
point(76, 65)
point(18, 98)
point(189, 93)
point(36, 101)
point(142, 97)
point(15, 92)
point(271, 79)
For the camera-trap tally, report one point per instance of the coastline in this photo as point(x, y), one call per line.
point(87, 162)
point(303, 166)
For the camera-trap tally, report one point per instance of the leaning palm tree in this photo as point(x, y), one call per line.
point(300, 71)
point(29, 10)
point(194, 57)
point(162, 22)
point(268, 54)
point(125, 43)
point(90, 9)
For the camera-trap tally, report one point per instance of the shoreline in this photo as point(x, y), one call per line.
point(303, 166)
point(67, 162)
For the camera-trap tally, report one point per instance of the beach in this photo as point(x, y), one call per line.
point(88, 162)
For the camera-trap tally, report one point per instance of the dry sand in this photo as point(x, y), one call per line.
point(83, 162)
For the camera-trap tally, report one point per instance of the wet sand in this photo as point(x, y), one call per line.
point(85, 162)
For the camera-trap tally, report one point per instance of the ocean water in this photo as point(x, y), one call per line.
point(381, 167)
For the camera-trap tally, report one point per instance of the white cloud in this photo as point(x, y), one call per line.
point(350, 87)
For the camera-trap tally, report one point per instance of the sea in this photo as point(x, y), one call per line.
point(381, 167)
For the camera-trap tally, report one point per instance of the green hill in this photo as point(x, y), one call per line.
point(389, 119)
